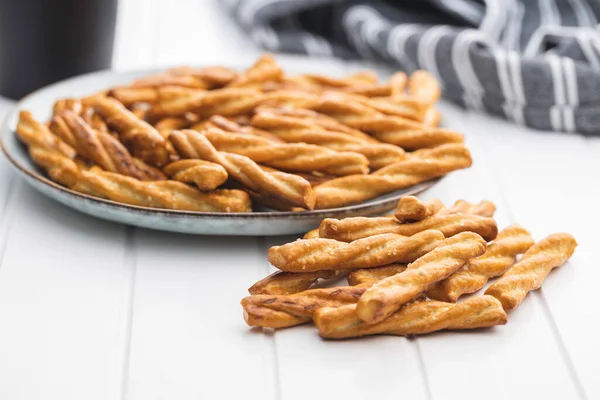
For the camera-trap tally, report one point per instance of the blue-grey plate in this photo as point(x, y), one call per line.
point(252, 223)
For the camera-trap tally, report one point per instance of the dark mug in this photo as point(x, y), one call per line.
point(44, 41)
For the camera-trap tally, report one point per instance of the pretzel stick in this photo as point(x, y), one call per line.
point(531, 270)
point(291, 188)
point(264, 69)
point(59, 168)
point(496, 260)
point(411, 209)
point(147, 143)
point(35, 134)
point(294, 129)
point(318, 254)
point(413, 319)
point(160, 194)
point(281, 282)
point(204, 174)
point(282, 311)
point(364, 276)
point(388, 295)
point(100, 147)
point(427, 165)
point(350, 229)
point(288, 156)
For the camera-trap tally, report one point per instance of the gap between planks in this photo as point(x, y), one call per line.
point(130, 262)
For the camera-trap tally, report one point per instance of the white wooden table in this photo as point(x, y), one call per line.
point(96, 310)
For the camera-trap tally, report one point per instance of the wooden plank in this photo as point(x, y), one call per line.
point(63, 291)
point(189, 339)
point(520, 359)
point(549, 180)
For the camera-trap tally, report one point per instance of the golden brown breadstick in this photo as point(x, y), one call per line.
point(282, 311)
point(311, 234)
point(160, 194)
point(388, 295)
point(228, 125)
point(212, 77)
point(496, 260)
point(531, 270)
point(432, 117)
point(288, 156)
point(484, 208)
point(299, 130)
point(427, 165)
point(349, 229)
point(411, 209)
point(369, 276)
point(416, 318)
point(286, 187)
point(67, 104)
point(60, 168)
point(205, 175)
point(281, 282)
point(100, 147)
point(424, 87)
point(34, 134)
point(308, 255)
point(265, 69)
point(147, 143)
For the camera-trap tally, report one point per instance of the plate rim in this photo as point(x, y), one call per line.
point(5, 129)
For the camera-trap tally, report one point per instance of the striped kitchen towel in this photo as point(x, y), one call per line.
point(536, 62)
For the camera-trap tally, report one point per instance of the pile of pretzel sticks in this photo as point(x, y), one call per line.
point(405, 272)
point(217, 140)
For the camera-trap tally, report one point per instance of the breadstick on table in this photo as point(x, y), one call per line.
point(411, 209)
point(147, 143)
point(281, 282)
point(389, 294)
point(531, 270)
point(291, 188)
point(496, 260)
point(349, 229)
point(205, 175)
point(415, 318)
point(160, 194)
point(100, 147)
point(427, 165)
point(308, 255)
point(298, 130)
point(288, 156)
point(484, 208)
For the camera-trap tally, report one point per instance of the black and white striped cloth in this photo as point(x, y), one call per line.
point(536, 62)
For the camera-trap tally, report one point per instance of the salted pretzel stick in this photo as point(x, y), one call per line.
point(282, 311)
point(291, 188)
point(288, 156)
point(369, 276)
point(300, 130)
point(160, 194)
point(101, 147)
point(531, 270)
point(427, 165)
point(265, 69)
point(281, 282)
point(349, 229)
point(147, 143)
point(496, 260)
point(484, 208)
point(205, 175)
point(318, 254)
point(389, 294)
point(416, 318)
point(411, 209)
point(225, 102)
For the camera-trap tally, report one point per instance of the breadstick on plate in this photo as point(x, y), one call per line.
point(424, 87)
point(34, 134)
point(227, 125)
point(205, 175)
point(427, 165)
point(160, 194)
point(291, 188)
point(349, 229)
point(415, 318)
point(308, 255)
point(147, 143)
point(496, 260)
point(411, 209)
point(364, 276)
point(532, 269)
point(388, 295)
point(288, 156)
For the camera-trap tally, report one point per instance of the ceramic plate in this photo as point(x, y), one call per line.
point(255, 223)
